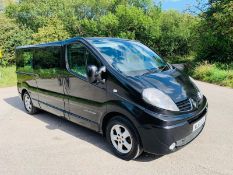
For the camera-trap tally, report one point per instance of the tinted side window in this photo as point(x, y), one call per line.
point(47, 58)
point(79, 57)
point(19, 59)
point(24, 59)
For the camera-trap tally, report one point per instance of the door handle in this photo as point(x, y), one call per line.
point(59, 81)
point(67, 80)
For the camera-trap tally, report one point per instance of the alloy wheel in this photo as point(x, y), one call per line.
point(121, 139)
point(28, 102)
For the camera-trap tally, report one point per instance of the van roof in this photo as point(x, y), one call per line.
point(60, 43)
point(56, 43)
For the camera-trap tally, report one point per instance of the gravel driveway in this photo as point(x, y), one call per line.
point(44, 144)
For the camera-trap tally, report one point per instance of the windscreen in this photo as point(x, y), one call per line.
point(128, 57)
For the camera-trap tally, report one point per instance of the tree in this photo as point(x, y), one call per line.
point(216, 32)
point(176, 33)
point(169, 33)
point(11, 36)
point(53, 31)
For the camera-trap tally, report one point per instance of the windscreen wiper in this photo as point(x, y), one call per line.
point(151, 71)
point(164, 67)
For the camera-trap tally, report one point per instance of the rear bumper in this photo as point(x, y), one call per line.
point(157, 139)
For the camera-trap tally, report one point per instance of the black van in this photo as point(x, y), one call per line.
point(119, 88)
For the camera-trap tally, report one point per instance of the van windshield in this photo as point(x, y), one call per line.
point(129, 57)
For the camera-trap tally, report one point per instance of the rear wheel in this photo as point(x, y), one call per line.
point(28, 104)
point(123, 138)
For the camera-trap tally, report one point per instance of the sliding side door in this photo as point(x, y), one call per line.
point(47, 66)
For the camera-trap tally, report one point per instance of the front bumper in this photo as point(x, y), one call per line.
point(158, 135)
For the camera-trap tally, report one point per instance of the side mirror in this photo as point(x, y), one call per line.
point(93, 74)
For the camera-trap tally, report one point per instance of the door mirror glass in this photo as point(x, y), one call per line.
point(95, 75)
point(91, 73)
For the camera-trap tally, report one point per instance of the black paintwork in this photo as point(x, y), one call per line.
point(67, 95)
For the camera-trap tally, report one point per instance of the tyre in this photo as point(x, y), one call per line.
point(28, 104)
point(123, 138)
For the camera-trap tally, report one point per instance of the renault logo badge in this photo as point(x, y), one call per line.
point(194, 104)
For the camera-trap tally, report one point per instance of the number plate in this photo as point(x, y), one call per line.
point(199, 123)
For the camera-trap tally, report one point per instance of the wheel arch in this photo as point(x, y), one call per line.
point(112, 114)
point(106, 119)
point(23, 92)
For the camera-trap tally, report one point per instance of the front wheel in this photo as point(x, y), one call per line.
point(123, 138)
point(28, 104)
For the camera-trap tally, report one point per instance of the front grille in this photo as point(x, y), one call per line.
point(184, 105)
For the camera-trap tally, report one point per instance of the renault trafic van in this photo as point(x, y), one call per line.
point(117, 87)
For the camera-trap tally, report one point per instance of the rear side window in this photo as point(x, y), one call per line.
point(24, 58)
point(79, 57)
point(47, 58)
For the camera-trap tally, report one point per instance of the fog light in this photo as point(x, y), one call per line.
point(172, 146)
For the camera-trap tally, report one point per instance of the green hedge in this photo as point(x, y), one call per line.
point(7, 76)
point(218, 73)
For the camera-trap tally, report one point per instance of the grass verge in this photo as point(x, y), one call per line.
point(218, 73)
point(7, 76)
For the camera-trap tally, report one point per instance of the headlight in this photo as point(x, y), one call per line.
point(157, 98)
point(199, 94)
